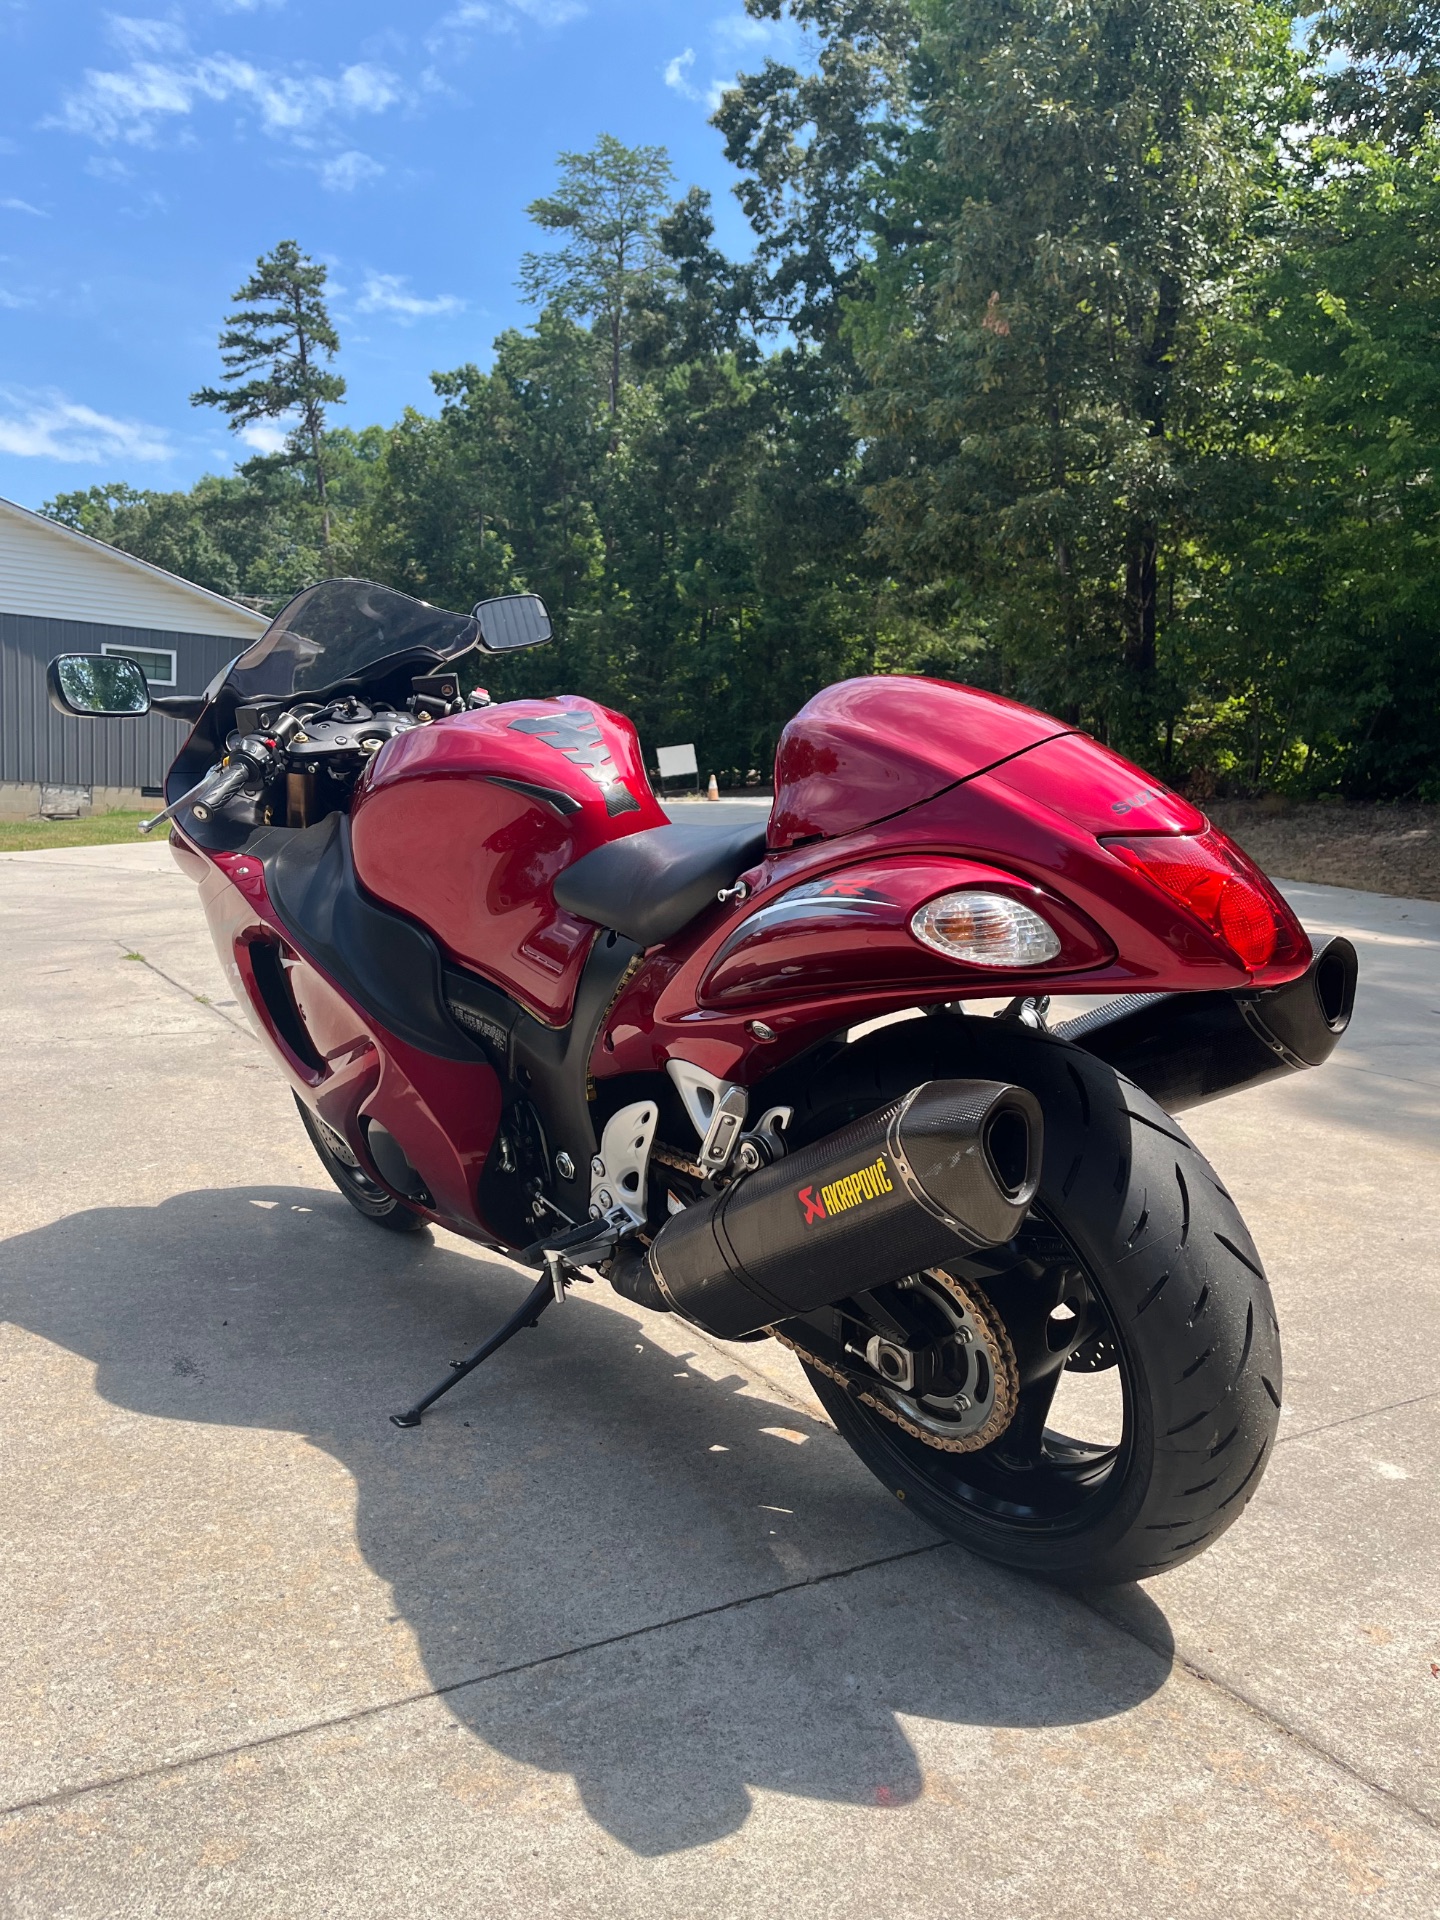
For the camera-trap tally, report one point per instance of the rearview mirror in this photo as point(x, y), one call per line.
point(97, 683)
point(514, 620)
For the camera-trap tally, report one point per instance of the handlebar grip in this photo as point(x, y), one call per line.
point(224, 786)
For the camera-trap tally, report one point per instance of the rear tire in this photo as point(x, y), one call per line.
point(1172, 1280)
point(366, 1196)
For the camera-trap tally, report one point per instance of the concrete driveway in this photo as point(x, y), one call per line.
point(624, 1629)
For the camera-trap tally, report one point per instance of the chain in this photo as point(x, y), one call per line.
point(668, 1157)
point(1002, 1362)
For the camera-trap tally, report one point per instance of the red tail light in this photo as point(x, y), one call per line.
point(1210, 877)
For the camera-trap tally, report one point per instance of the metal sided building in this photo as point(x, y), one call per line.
point(61, 592)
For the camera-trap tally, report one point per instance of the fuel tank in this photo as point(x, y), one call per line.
point(464, 824)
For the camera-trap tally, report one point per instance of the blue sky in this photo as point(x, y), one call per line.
point(147, 156)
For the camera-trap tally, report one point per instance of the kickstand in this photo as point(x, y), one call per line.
point(586, 1241)
point(544, 1293)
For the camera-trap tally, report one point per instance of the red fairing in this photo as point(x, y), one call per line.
point(1036, 822)
point(850, 932)
point(1094, 788)
point(1142, 823)
point(865, 749)
point(443, 1113)
point(464, 824)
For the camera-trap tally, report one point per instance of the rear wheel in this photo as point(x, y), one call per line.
point(367, 1196)
point(1098, 1398)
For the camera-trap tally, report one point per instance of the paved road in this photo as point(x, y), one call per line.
point(624, 1630)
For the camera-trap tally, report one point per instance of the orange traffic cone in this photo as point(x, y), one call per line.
point(712, 792)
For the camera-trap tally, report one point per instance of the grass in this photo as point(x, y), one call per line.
point(97, 830)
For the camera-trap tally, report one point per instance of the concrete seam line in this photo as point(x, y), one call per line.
point(63, 1794)
point(757, 1379)
point(35, 857)
point(1350, 1420)
point(161, 974)
point(1390, 1796)
point(1382, 1073)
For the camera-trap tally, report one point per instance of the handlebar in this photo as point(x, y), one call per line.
point(252, 762)
point(218, 786)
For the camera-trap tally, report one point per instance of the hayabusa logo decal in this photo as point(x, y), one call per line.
point(579, 738)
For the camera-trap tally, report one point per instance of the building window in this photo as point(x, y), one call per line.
point(156, 663)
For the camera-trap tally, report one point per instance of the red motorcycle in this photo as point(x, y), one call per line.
point(736, 1070)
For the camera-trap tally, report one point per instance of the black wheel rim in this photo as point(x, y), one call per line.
point(1034, 1478)
point(347, 1170)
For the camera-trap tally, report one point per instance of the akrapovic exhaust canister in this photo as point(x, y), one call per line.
point(950, 1168)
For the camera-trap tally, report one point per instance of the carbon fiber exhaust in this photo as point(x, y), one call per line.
point(1186, 1048)
point(950, 1168)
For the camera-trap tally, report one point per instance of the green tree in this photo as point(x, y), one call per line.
point(282, 337)
point(1088, 352)
point(608, 207)
point(809, 141)
point(1380, 64)
point(1323, 605)
point(1071, 203)
point(167, 529)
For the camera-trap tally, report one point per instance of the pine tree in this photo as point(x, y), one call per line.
point(609, 205)
point(282, 335)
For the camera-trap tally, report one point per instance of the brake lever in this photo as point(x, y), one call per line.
point(168, 813)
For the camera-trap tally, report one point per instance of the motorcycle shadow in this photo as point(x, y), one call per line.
point(735, 1602)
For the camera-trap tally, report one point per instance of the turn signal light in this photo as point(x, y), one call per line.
point(1212, 879)
point(985, 930)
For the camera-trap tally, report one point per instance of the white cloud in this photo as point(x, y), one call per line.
point(13, 302)
point(743, 30)
point(501, 16)
point(145, 36)
point(268, 436)
point(47, 426)
point(549, 13)
point(146, 204)
point(24, 206)
point(133, 103)
point(346, 171)
point(732, 39)
point(677, 72)
point(389, 293)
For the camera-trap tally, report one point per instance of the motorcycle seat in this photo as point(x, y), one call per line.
point(651, 884)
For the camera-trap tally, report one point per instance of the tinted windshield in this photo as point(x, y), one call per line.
point(341, 628)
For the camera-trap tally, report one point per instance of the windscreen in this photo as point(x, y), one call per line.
point(339, 630)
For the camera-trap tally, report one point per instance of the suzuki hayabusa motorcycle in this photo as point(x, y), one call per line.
point(737, 1071)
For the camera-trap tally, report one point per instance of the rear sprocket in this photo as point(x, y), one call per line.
point(975, 1402)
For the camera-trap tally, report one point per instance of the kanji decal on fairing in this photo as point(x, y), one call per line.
point(578, 737)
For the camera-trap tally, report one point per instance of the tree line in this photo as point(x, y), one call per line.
point(1087, 352)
